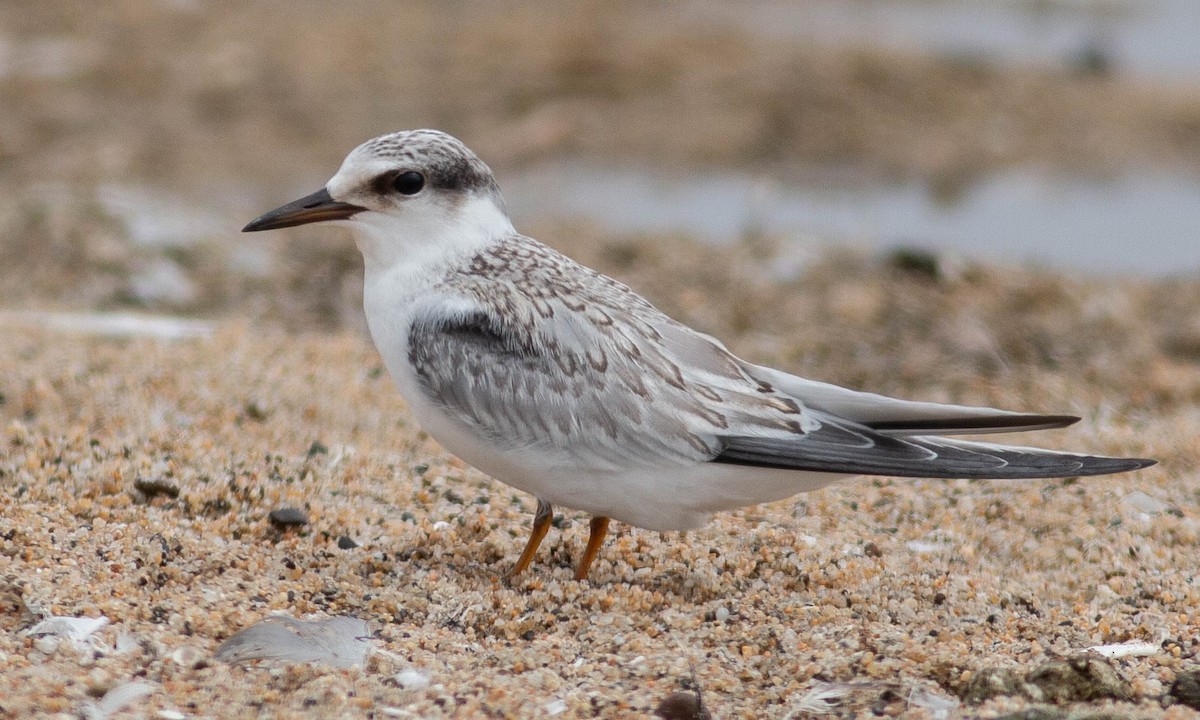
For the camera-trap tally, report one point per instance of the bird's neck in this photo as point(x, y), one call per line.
point(421, 243)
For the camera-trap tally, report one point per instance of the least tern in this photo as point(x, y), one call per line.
point(565, 383)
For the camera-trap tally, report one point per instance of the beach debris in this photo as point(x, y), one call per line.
point(683, 706)
point(1129, 649)
point(341, 641)
point(287, 517)
point(940, 707)
point(1079, 678)
point(152, 486)
point(412, 679)
point(115, 700)
point(188, 656)
point(1186, 689)
point(256, 410)
point(826, 698)
point(77, 630)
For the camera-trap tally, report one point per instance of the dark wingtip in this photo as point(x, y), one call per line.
point(1016, 422)
point(1100, 465)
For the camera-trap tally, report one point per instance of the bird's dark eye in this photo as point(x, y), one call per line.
point(409, 183)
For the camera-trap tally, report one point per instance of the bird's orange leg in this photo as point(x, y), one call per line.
point(599, 528)
point(541, 525)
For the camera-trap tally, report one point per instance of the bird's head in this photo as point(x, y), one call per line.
point(405, 191)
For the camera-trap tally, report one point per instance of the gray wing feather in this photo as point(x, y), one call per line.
point(846, 447)
point(521, 389)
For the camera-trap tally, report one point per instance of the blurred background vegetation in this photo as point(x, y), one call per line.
point(846, 174)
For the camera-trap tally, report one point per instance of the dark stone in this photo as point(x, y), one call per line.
point(683, 706)
point(156, 486)
point(993, 682)
point(288, 517)
point(1186, 689)
point(1080, 678)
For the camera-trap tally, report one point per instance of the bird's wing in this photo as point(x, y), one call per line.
point(845, 431)
point(706, 355)
point(573, 385)
point(893, 416)
point(842, 446)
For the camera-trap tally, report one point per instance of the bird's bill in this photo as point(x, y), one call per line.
point(318, 207)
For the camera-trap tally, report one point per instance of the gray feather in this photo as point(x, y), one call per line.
point(844, 447)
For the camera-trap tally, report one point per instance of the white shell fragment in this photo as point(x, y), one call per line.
point(116, 699)
point(339, 641)
point(78, 630)
point(1129, 649)
point(188, 656)
point(411, 679)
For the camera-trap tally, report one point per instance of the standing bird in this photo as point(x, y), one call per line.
point(565, 383)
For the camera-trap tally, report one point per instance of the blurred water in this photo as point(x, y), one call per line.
point(1135, 224)
point(1150, 38)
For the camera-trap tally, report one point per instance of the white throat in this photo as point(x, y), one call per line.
point(428, 235)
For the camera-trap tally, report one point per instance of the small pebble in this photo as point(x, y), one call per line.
point(256, 411)
point(1186, 689)
point(188, 656)
point(46, 644)
point(152, 486)
point(411, 679)
point(286, 517)
point(346, 542)
point(683, 706)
